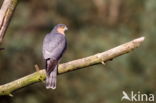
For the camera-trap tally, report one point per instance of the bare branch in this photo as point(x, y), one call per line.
point(103, 57)
point(6, 13)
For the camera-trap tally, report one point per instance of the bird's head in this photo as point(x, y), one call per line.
point(61, 28)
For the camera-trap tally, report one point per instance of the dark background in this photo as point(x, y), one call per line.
point(94, 26)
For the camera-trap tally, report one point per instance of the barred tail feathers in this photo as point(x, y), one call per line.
point(51, 70)
point(51, 79)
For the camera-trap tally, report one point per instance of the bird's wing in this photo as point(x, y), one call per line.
point(54, 46)
point(51, 64)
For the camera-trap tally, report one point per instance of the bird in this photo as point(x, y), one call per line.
point(54, 46)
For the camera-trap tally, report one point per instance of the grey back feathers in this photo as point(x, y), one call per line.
point(53, 45)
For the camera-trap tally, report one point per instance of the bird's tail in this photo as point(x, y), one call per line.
point(51, 79)
point(51, 75)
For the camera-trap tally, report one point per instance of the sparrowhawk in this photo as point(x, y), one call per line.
point(54, 45)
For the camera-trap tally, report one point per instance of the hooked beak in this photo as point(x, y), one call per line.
point(65, 28)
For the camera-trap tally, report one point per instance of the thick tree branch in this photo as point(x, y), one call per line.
point(6, 13)
point(103, 57)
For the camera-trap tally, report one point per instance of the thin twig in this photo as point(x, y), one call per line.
point(37, 68)
point(1, 48)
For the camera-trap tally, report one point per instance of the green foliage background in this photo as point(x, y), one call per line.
point(89, 33)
